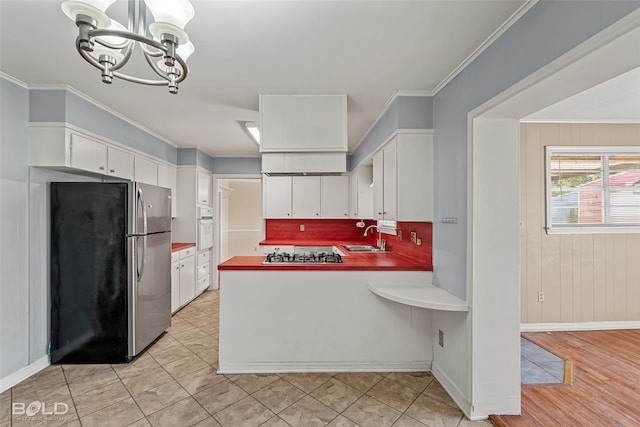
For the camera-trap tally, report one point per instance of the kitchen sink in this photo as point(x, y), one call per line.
point(363, 248)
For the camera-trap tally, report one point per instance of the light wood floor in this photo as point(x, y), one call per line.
point(606, 382)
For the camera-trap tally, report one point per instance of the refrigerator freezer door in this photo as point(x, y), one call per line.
point(150, 299)
point(88, 272)
point(151, 202)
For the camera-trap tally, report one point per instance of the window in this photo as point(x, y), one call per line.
point(593, 189)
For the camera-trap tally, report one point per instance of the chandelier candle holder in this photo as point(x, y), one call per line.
point(108, 45)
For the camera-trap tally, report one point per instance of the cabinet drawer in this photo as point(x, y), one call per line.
point(185, 253)
point(202, 284)
point(175, 256)
point(203, 270)
point(203, 257)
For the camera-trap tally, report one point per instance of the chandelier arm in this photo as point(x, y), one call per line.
point(126, 35)
point(163, 74)
point(87, 57)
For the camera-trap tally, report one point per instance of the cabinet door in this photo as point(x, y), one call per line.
point(187, 280)
point(120, 163)
point(204, 188)
point(306, 197)
point(87, 154)
point(415, 177)
point(276, 196)
point(353, 195)
point(334, 196)
point(290, 123)
point(378, 186)
point(390, 182)
point(362, 201)
point(175, 286)
point(145, 171)
point(167, 179)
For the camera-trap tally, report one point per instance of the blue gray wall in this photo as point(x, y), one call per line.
point(14, 250)
point(60, 105)
point(548, 30)
point(405, 112)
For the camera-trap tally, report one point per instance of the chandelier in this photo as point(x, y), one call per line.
point(108, 45)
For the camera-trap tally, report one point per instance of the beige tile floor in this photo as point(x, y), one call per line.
point(174, 383)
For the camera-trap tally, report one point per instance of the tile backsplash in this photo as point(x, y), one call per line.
point(339, 230)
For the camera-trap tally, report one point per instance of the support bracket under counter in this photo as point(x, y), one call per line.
point(428, 296)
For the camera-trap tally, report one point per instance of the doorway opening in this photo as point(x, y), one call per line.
point(240, 223)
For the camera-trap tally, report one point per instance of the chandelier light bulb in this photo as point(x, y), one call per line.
point(116, 54)
point(185, 50)
point(94, 9)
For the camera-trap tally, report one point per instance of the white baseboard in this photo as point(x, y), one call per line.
point(456, 394)
point(297, 367)
point(23, 373)
point(579, 326)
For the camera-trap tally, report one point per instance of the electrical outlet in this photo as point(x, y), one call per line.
point(399, 234)
point(540, 296)
point(441, 338)
point(301, 227)
point(414, 236)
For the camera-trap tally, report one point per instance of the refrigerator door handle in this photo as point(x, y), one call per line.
point(140, 270)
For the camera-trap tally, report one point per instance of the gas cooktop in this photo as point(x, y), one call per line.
point(303, 258)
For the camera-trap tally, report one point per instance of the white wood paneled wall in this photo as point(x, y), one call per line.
point(584, 277)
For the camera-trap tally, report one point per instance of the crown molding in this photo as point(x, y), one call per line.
point(385, 107)
point(485, 44)
point(87, 98)
point(13, 80)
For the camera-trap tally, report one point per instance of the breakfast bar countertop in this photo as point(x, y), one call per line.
point(383, 261)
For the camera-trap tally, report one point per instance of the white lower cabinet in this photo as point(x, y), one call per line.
point(175, 286)
point(187, 280)
point(203, 271)
point(183, 277)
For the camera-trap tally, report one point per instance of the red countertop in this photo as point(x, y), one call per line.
point(180, 246)
point(354, 261)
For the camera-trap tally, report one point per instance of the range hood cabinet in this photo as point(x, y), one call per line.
point(303, 133)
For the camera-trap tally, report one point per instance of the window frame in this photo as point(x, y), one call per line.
point(550, 151)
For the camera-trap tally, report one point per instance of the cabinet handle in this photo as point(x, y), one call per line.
point(101, 168)
point(182, 266)
point(346, 214)
point(204, 201)
point(379, 213)
point(112, 170)
point(317, 214)
point(288, 214)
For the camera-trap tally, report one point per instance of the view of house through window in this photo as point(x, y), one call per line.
point(592, 187)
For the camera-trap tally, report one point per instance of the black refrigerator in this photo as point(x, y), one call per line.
point(110, 270)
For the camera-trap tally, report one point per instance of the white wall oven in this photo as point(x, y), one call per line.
point(205, 228)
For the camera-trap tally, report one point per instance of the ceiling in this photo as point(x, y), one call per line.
point(368, 50)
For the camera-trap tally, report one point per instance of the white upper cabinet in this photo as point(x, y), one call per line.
point(204, 189)
point(88, 154)
point(119, 163)
point(334, 196)
point(414, 177)
point(403, 179)
point(66, 148)
point(389, 182)
point(276, 196)
point(306, 197)
point(293, 123)
point(378, 188)
point(167, 179)
point(145, 171)
point(361, 193)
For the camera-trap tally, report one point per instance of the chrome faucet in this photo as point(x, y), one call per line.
point(381, 243)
